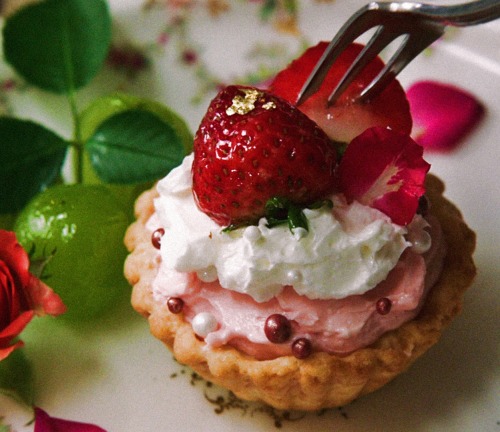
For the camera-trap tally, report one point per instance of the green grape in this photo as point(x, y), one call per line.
point(79, 229)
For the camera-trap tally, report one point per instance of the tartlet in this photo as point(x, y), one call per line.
point(259, 161)
point(322, 380)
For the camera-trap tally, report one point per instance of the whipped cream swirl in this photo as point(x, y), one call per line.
point(347, 250)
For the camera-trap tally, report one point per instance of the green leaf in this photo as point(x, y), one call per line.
point(16, 377)
point(32, 157)
point(267, 9)
point(106, 106)
point(58, 45)
point(134, 146)
point(291, 7)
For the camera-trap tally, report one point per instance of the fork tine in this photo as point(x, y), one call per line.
point(419, 24)
point(375, 45)
point(411, 46)
point(358, 24)
point(391, 69)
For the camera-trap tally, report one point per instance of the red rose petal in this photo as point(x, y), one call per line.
point(44, 299)
point(5, 352)
point(46, 423)
point(22, 295)
point(10, 300)
point(13, 254)
point(16, 326)
point(442, 114)
point(12, 331)
point(385, 170)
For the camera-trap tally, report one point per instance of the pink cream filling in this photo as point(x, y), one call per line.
point(334, 326)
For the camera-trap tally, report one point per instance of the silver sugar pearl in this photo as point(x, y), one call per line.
point(204, 323)
point(207, 275)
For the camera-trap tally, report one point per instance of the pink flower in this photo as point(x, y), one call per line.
point(189, 56)
point(163, 38)
point(22, 295)
point(46, 423)
point(384, 169)
point(127, 58)
point(8, 84)
point(179, 4)
point(442, 114)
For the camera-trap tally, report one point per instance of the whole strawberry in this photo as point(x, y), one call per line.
point(252, 146)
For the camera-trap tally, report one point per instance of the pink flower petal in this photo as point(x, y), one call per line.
point(442, 114)
point(46, 423)
point(385, 170)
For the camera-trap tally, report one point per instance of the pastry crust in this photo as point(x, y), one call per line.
point(321, 380)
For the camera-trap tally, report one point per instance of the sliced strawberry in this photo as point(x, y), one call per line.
point(345, 119)
point(252, 146)
point(385, 170)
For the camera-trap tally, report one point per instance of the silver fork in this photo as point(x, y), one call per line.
point(417, 24)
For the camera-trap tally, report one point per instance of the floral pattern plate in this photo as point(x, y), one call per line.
point(179, 52)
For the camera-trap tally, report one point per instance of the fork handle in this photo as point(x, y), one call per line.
point(464, 14)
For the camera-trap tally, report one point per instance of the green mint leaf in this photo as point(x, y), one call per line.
point(58, 45)
point(279, 211)
point(273, 222)
point(16, 377)
point(233, 227)
point(319, 204)
point(277, 208)
point(282, 210)
point(134, 146)
point(296, 218)
point(32, 157)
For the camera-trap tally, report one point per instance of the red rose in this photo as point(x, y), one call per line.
point(22, 295)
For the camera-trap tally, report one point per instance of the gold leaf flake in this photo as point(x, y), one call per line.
point(244, 104)
point(269, 105)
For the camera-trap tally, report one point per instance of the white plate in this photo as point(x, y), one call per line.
point(117, 376)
